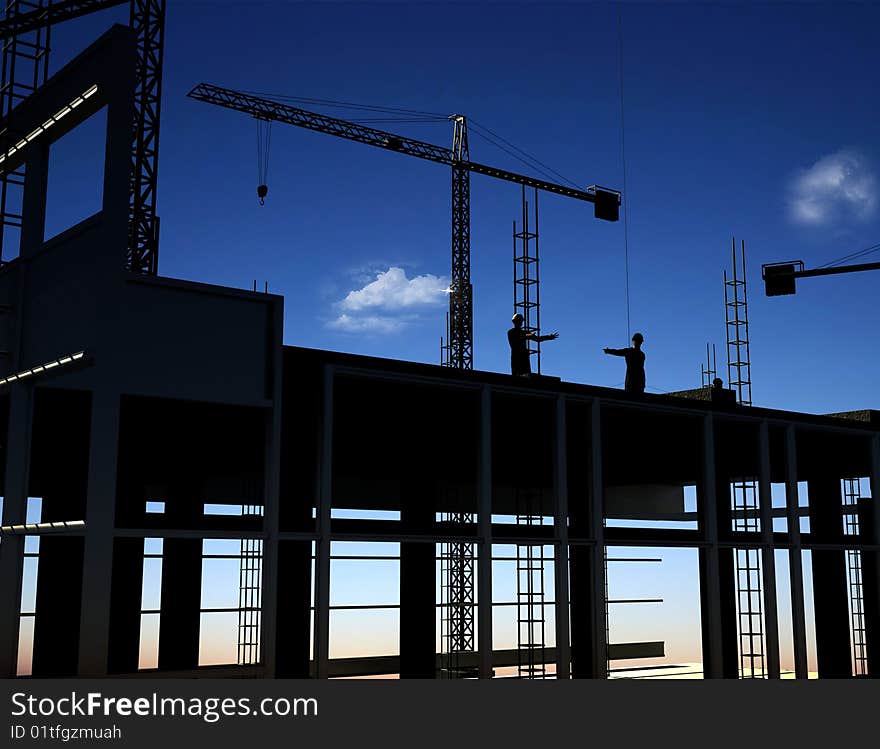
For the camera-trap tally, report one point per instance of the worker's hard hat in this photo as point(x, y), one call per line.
point(639, 337)
point(516, 317)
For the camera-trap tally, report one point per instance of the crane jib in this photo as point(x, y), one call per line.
point(267, 109)
point(607, 201)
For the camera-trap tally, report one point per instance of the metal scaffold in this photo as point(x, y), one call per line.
point(744, 494)
point(709, 370)
point(25, 69)
point(25, 30)
point(526, 278)
point(456, 602)
point(851, 496)
point(250, 589)
point(530, 594)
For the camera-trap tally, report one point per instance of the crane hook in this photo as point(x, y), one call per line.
point(264, 140)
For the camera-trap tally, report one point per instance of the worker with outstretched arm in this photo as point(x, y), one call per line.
point(635, 364)
point(520, 361)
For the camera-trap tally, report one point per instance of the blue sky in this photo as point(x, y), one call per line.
point(746, 120)
point(754, 121)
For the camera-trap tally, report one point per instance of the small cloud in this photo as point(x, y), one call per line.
point(366, 324)
point(837, 186)
point(392, 290)
point(389, 302)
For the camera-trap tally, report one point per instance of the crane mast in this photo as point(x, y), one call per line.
point(461, 317)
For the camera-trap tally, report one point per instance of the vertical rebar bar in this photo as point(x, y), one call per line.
point(744, 493)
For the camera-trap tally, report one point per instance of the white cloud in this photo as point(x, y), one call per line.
point(392, 290)
point(838, 186)
point(366, 324)
point(389, 302)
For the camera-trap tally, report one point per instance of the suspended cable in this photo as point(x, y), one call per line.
point(623, 158)
point(373, 120)
point(420, 116)
point(345, 104)
point(472, 121)
point(852, 256)
point(531, 166)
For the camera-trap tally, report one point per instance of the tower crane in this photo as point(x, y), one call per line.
point(606, 201)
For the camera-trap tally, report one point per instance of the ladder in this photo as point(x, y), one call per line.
point(530, 598)
point(250, 588)
point(744, 495)
point(456, 602)
point(526, 278)
point(851, 496)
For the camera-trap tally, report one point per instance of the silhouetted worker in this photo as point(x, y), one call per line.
point(718, 384)
point(520, 361)
point(635, 364)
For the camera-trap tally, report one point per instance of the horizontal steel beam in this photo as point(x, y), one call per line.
point(15, 24)
point(390, 664)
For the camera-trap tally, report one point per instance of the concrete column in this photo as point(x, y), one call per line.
point(272, 510)
point(180, 619)
point(322, 550)
point(300, 485)
point(418, 594)
point(830, 584)
point(710, 566)
point(293, 609)
point(579, 473)
point(598, 603)
point(125, 605)
point(180, 616)
point(484, 528)
point(33, 207)
point(560, 480)
point(60, 466)
point(768, 558)
point(58, 607)
point(729, 629)
point(15, 493)
point(798, 617)
point(727, 582)
point(98, 554)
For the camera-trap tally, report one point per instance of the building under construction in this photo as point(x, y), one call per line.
point(133, 403)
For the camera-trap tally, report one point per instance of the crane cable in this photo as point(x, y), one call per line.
point(264, 141)
point(852, 256)
point(623, 158)
point(401, 115)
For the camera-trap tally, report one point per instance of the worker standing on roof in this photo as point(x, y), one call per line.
point(635, 364)
point(520, 361)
